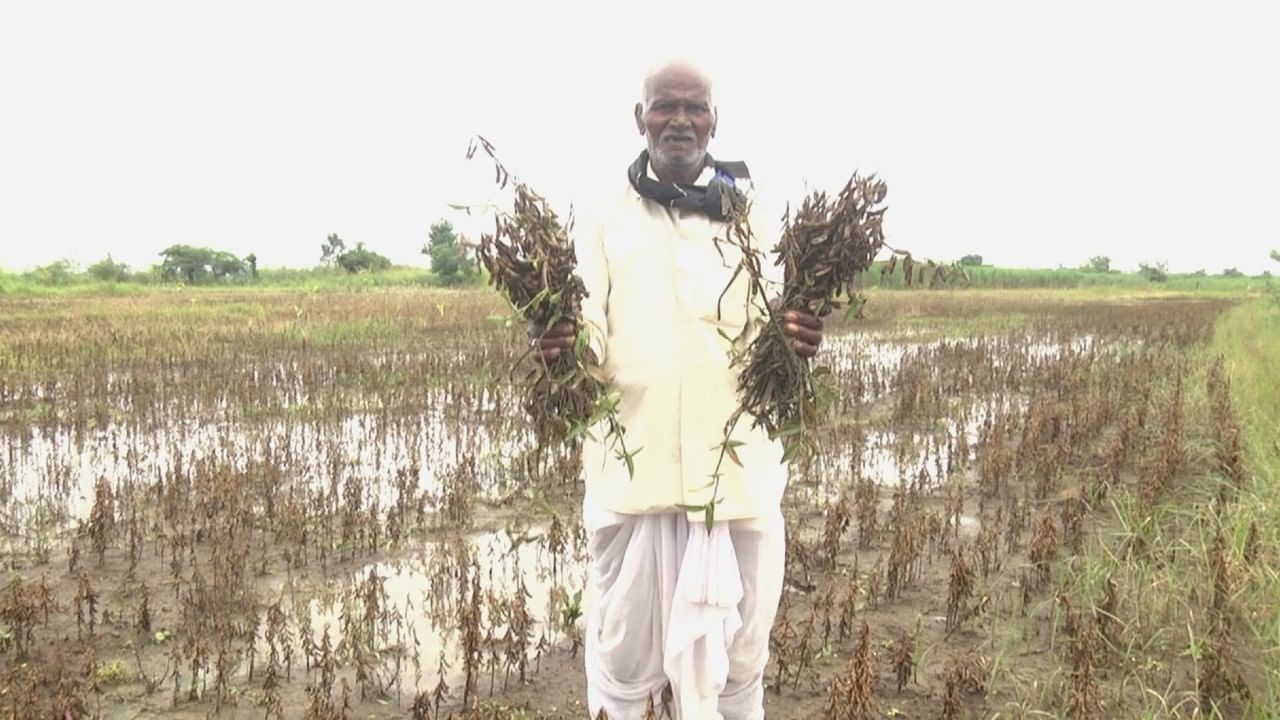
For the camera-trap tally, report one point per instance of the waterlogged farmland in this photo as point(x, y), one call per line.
point(325, 505)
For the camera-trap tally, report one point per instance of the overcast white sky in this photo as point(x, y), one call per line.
point(1034, 134)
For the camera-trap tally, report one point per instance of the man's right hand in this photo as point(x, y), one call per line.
point(550, 344)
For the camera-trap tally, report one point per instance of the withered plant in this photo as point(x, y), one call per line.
point(908, 543)
point(781, 636)
point(1228, 450)
point(420, 709)
point(531, 260)
point(849, 606)
point(904, 666)
point(862, 703)
point(1073, 513)
point(86, 606)
point(960, 589)
point(952, 702)
point(236, 470)
point(1218, 681)
point(866, 497)
point(469, 624)
point(825, 244)
point(988, 544)
point(1084, 695)
point(1044, 548)
point(838, 517)
point(965, 674)
point(1169, 456)
point(875, 584)
point(19, 615)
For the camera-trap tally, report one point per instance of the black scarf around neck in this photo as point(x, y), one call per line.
point(712, 199)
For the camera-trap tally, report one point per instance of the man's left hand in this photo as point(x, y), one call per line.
point(805, 332)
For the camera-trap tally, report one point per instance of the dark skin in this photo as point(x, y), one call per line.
point(678, 121)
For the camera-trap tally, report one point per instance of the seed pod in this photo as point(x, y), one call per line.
point(530, 259)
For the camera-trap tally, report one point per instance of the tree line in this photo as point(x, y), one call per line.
point(1153, 271)
point(451, 262)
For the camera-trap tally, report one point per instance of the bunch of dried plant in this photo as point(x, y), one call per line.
point(530, 258)
point(825, 245)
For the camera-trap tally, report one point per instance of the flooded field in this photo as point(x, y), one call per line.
point(296, 505)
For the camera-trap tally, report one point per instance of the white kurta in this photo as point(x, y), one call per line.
point(655, 277)
point(676, 604)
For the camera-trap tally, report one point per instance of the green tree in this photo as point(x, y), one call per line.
point(1098, 264)
point(252, 260)
point(108, 270)
point(1232, 272)
point(331, 249)
point(1155, 273)
point(57, 273)
point(1275, 255)
point(361, 259)
point(196, 265)
point(449, 259)
point(971, 260)
point(186, 263)
point(225, 265)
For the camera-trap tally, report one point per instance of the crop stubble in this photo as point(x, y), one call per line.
point(335, 507)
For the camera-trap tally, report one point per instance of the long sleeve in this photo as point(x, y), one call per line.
point(593, 268)
point(658, 313)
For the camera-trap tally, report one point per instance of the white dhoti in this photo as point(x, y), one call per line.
point(680, 605)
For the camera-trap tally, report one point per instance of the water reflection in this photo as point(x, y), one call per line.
point(421, 596)
point(65, 463)
point(51, 470)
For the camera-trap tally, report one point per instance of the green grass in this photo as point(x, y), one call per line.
point(1161, 557)
point(399, 276)
point(19, 286)
point(37, 284)
point(1248, 337)
point(312, 279)
point(114, 672)
point(986, 276)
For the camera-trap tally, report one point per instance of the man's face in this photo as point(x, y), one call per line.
point(678, 121)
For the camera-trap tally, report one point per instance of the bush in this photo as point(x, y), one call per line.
point(449, 259)
point(55, 274)
point(1098, 264)
point(361, 259)
point(1155, 273)
point(108, 270)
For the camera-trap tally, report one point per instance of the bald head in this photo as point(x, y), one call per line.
point(677, 118)
point(676, 71)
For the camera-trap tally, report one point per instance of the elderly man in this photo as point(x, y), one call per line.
point(677, 603)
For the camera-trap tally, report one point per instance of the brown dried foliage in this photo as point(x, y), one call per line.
point(532, 261)
point(825, 244)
